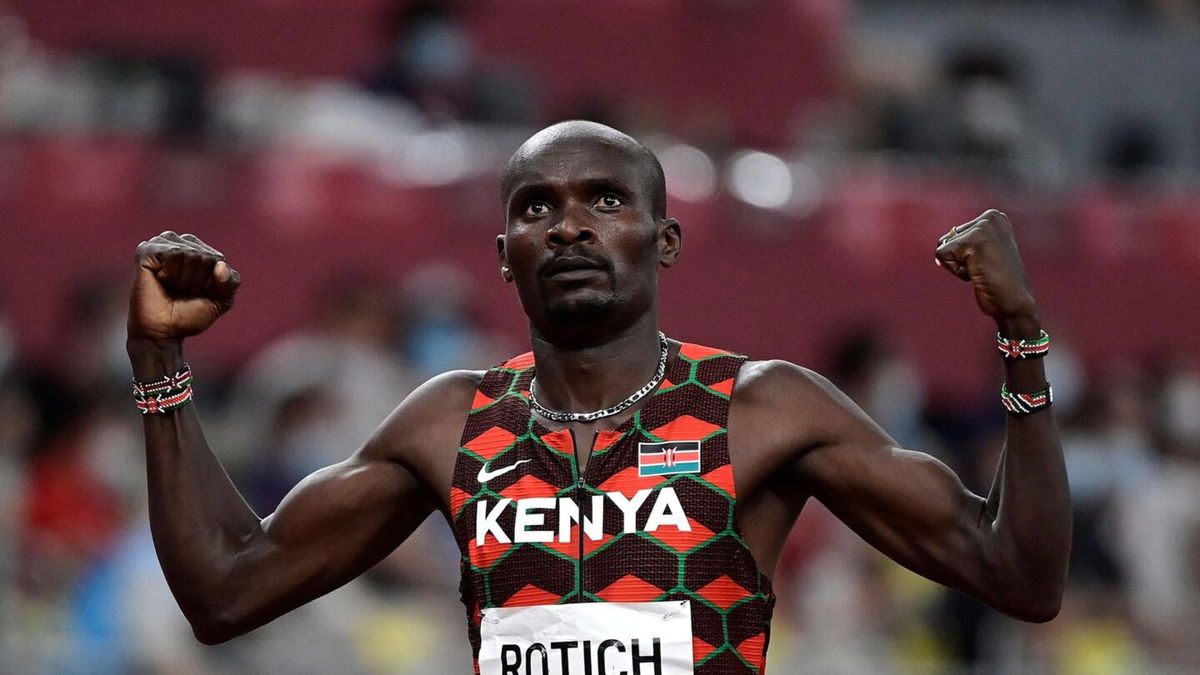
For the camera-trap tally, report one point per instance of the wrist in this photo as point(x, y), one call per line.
point(153, 359)
point(1023, 326)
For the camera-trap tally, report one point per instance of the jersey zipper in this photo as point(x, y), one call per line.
point(580, 493)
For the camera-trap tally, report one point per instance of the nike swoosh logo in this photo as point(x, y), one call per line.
point(485, 475)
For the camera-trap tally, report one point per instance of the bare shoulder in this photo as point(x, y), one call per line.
point(427, 420)
point(800, 394)
point(785, 410)
point(776, 383)
point(450, 392)
point(774, 413)
point(774, 377)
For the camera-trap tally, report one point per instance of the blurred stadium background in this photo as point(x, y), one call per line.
point(344, 156)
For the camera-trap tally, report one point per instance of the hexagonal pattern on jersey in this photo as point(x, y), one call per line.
point(617, 537)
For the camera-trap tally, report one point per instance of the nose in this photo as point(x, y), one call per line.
point(572, 228)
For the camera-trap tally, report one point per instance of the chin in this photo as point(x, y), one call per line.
point(587, 307)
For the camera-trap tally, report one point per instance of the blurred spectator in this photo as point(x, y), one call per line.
point(1133, 150)
point(342, 366)
point(883, 383)
point(92, 354)
point(292, 443)
point(437, 329)
point(431, 60)
point(150, 93)
point(987, 115)
point(428, 59)
point(79, 490)
point(968, 107)
point(1109, 457)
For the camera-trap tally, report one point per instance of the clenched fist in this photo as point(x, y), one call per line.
point(984, 252)
point(183, 285)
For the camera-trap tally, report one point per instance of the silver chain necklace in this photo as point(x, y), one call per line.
point(612, 409)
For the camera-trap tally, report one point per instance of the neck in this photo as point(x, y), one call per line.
point(598, 375)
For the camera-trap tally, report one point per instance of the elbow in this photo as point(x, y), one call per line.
point(210, 635)
point(215, 620)
point(214, 628)
point(1031, 592)
point(1034, 604)
point(1038, 612)
point(219, 610)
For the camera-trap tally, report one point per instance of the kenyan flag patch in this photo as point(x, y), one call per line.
point(670, 457)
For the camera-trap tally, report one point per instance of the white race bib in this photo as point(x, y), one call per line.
point(603, 638)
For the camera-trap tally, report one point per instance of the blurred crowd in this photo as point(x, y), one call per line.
point(80, 587)
point(82, 591)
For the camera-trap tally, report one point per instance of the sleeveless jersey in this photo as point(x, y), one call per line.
point(651, 518)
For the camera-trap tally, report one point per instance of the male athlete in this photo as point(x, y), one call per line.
point(619, 498)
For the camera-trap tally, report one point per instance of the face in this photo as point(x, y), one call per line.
point(582, 243)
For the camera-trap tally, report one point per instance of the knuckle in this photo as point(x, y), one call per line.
point(997, 217)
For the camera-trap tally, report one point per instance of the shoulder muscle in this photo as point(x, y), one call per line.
point(792, 410)
point(426, 421)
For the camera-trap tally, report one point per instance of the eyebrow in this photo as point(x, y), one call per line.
point(527, 191)
point(606, 184)
point(538, 188)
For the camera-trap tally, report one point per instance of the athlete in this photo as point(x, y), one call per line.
point(620, 498)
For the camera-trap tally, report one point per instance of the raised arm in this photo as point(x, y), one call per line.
point(1009, 550)
point(230, 571)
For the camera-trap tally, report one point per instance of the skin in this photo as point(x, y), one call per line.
point(584, 241)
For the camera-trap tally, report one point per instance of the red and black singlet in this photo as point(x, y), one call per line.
point(652, 518)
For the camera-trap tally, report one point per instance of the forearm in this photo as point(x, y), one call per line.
point(1027, 521)
point(198, 520)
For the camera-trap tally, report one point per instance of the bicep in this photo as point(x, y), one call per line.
point(349, 515)
point(907, 504)
point(331, 527)
point(341, 520)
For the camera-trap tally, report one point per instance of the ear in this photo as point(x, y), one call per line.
point(505, 272)
point(670, 241)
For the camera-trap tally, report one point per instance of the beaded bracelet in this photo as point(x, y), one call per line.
point(155, 405)
point(1014, 349)
point(179, 380)
point(1024, 404)
point(165, 394)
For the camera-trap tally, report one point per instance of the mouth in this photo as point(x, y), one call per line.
point(572, 265)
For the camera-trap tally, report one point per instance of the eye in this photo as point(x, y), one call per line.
point(609, 201)
point(537, 208)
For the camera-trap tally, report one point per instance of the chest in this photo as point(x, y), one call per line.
point(666, 480)
point(648, 516)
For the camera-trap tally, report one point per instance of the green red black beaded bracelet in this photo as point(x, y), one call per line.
point(1013, 348)
point(165, 394)
point(1024, 404)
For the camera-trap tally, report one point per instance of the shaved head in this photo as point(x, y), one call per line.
point(583, 132)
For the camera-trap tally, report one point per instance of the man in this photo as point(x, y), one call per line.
point(592, 483)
